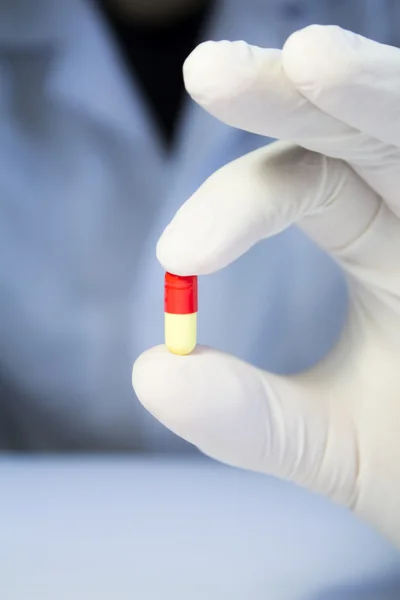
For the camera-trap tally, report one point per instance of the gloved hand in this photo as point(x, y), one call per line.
point(334, 98)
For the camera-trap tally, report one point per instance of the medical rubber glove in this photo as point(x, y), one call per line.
point(333, 99)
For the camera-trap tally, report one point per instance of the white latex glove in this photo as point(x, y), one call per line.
point(335, 98)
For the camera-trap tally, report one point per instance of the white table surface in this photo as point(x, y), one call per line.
point(163, 529)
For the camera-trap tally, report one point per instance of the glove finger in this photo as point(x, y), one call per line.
point(248, 418)
point(247, 87)
point(355, 80)
point(261, 194)
point(349, 77)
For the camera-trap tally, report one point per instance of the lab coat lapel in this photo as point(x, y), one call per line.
point(89, 74)
point(85, 72)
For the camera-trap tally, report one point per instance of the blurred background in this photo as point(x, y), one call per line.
point(99, 146)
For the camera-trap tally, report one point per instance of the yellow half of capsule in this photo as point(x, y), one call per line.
point(181, 333)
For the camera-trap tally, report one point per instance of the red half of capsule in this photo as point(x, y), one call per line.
point(180, 294)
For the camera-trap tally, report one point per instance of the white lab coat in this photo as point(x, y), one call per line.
point(85, 191)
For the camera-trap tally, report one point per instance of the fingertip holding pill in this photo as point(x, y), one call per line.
point(180, 308)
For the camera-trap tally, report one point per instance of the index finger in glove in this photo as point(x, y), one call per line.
point(264, 192)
